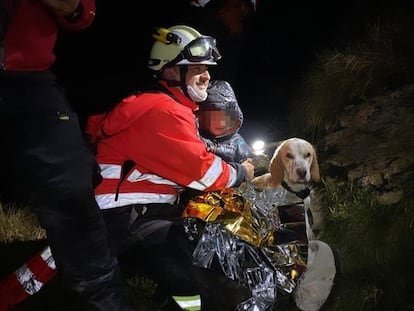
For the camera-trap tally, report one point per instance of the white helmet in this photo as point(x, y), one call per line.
point(182, 45)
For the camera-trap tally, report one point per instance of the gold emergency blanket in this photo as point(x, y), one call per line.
point(232, 211)
point(244, 232)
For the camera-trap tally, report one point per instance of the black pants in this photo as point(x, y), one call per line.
point(156, 245)
point(163, 251)
point(46, 164)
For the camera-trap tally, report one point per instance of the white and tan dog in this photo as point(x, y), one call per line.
point(294, 163)
point(294, 166)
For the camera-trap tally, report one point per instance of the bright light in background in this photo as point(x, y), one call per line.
point(258, 147)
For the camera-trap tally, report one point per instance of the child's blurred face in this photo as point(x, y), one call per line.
point(217, 122)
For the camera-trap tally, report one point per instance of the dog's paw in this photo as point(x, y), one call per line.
point(261, 183)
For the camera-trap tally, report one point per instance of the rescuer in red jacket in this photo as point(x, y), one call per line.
point(149, 151)
point(44, 158)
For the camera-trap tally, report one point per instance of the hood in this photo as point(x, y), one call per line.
point(222, 97)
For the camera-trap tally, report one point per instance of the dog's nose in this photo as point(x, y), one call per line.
point(301, 172)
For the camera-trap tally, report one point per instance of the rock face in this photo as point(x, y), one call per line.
point(372, 144)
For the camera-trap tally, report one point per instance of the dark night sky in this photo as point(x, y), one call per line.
point(264, 63)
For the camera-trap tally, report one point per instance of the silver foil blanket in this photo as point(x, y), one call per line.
point(257, 238)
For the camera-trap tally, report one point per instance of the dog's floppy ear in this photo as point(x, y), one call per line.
point(276, 169)
point(314, 169)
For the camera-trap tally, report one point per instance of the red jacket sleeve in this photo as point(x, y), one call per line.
point(177, 153)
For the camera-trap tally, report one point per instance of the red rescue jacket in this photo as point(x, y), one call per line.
point(160, 136)
point(31, 35)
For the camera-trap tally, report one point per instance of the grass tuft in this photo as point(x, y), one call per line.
point(375, 246)
point(381, 60)
point(141, 291)
point(19, 224)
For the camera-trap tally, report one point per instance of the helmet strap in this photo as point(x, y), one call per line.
point(181, 82)
point(183, 85)
point(172, 82)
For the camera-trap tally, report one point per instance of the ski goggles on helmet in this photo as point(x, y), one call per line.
point(202, 49)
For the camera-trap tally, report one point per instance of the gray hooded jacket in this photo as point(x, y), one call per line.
point(232, 147)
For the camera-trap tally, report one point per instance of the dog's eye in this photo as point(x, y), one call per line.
point(307, 155)
point(289, 155)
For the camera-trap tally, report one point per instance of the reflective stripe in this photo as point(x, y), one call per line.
point(233, 177)
point(209, 177)
point(110, 171)
point(189, 303)
point(114, 171)
point(46, 255)
point(28, 280)
point(106, 201)
point(136, 176)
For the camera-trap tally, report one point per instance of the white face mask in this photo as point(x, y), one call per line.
point(196, 96)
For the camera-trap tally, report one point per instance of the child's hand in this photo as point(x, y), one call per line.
point(248, 165)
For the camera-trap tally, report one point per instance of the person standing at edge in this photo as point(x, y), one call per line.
point(44, 157)
point(149, 150)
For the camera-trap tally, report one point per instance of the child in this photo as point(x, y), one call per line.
point(220, 119)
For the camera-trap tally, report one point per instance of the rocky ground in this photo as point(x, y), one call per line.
point(372, 144)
